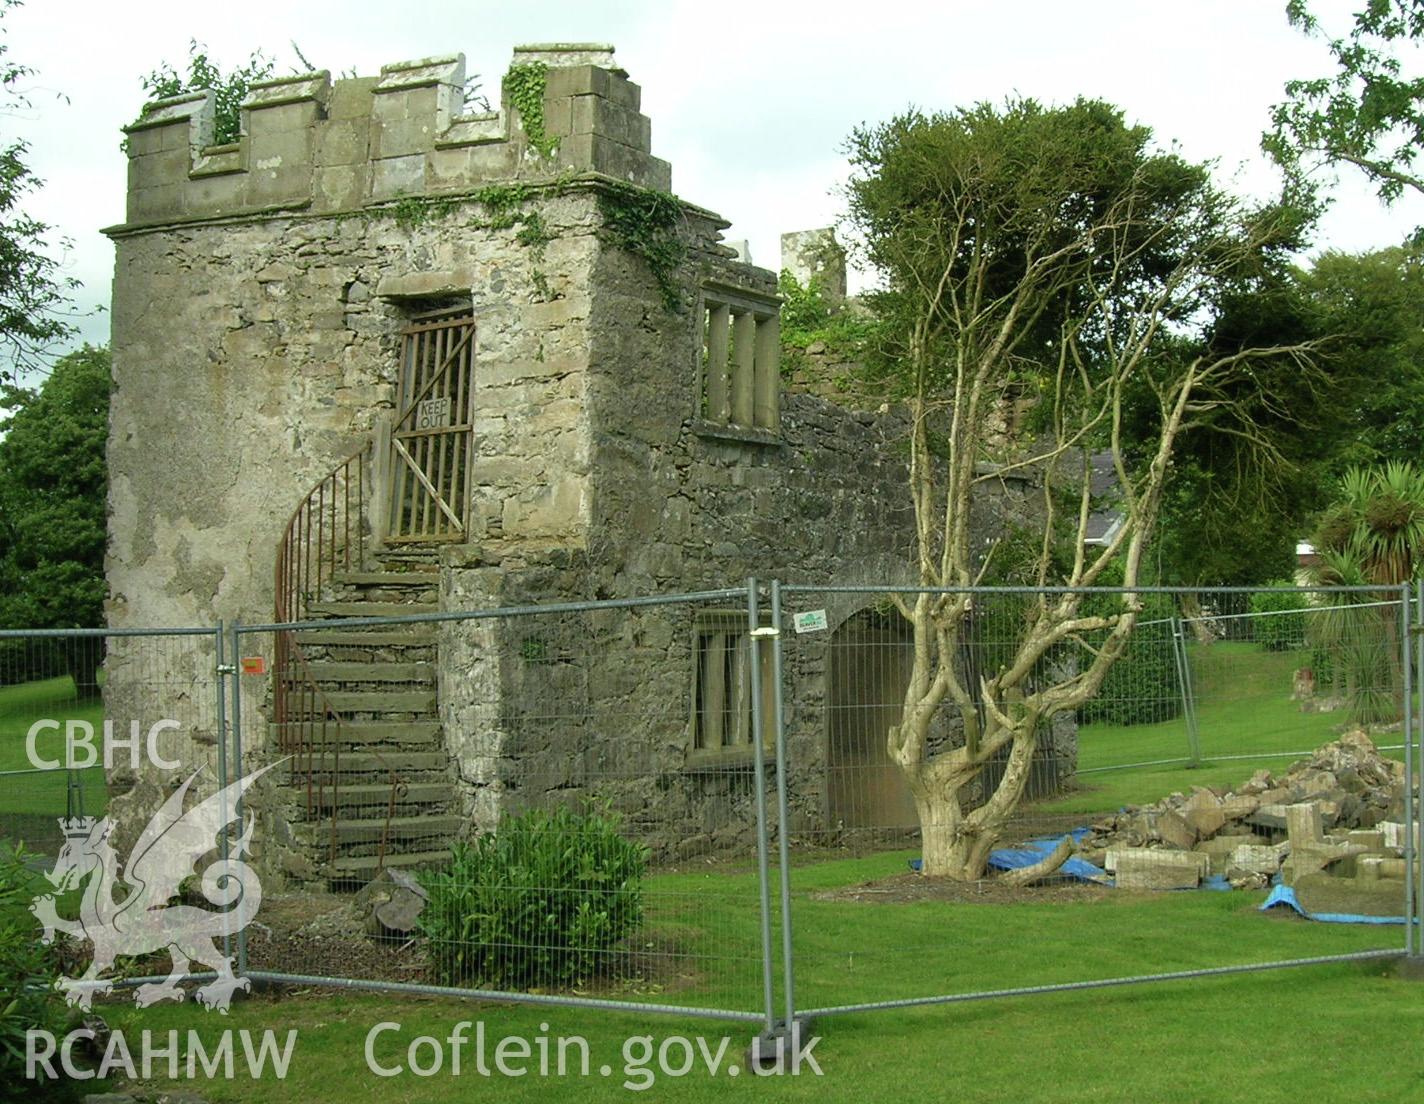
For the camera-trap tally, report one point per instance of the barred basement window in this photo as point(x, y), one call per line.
point(722, 691)
point(740, 361)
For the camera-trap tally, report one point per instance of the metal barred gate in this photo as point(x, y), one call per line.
point(431, 442)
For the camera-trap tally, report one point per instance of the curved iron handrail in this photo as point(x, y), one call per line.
point(328, 532)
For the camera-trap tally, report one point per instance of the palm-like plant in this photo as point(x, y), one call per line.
point(1373, 535)
point(1378, 521)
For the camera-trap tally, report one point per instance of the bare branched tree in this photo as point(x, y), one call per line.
point(1051, 252)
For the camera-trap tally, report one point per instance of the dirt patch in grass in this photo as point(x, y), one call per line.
point(322, 934)
point(909, 888)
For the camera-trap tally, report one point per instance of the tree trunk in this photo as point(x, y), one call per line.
point(950, 847)
point(1192, 615)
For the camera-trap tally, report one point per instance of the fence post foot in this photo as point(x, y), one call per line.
point(780, 1050)
point(1409, 967)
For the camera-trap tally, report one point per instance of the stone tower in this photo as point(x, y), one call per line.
point(382, 354)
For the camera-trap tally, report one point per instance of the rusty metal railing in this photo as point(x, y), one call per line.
point(328, 533)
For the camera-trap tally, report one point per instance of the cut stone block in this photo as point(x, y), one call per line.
point(1312, 858)
point(1304, 824)
point(1173, 828)
point(1255, 859)
point(1271, 817)
point(1390, 868)
point(1219, 850)
point(1394, 834)
point(1114, 855)
point(1238, 806)
point(1137, 869)
point(1204, 814)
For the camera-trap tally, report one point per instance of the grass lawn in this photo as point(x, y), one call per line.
point(1331, 1033)
point(28, 800)
point(1243, 709)
point(1338, 1032)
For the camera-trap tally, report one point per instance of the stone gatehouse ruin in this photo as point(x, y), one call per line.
point(382, 355)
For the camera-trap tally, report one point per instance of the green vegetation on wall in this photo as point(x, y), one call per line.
point(807, 319)
point(229, 89)
point(645, 222)
point(524, 88)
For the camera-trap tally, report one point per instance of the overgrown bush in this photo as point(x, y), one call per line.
point(1143, 686)
point(1284, 626)
point(541, 900)
point(28, 970)
point(229, 89)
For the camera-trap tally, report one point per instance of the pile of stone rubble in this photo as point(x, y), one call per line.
point(1337, 813)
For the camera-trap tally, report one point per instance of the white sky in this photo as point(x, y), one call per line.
point(751, 102)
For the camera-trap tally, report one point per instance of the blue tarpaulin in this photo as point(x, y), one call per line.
point(1016, 858)
point(1285, 895)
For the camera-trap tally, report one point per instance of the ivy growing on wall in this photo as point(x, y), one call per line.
point(524, 88)
point(645, 223)
point(412, 211)
point(854, 341)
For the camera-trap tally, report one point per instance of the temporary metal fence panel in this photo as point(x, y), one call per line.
point(582, 788)
point(1119, 773)
point(70, 700)
point(691, 804)
point(102, 729)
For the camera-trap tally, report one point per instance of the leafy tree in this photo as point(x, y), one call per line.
point(1230, 519)
point(1370, 112)
point(33, 293)
point(1054, 252)
point(1237, 503)
point(53, 482)
point(1372, 304)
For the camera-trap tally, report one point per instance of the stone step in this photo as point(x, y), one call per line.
point(392, 636)
point(370, 830)
point(367, 701)
point(387, 578)
point(364, 867)
point(370, 609)
point(333, 671)
point(352, 761)
point(376, 795)
point(378, 733)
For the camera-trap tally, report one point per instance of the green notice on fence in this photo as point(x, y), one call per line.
point(810, 621)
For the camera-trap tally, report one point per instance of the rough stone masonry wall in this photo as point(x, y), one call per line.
point(260, 288)
point(251, 357)
point(558, 708)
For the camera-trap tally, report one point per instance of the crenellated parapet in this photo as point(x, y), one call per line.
point(308, 143)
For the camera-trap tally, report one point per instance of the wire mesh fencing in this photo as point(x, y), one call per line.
point(554, 803)
point(80, 706)
point(727, 803)
point(981, 737)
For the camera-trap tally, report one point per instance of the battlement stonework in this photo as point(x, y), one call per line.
point(315, 145)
